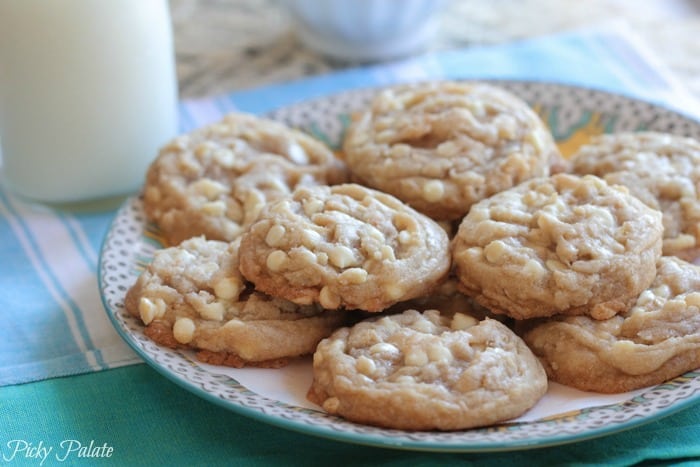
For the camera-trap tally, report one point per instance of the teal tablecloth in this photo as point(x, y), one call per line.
point(71, 392)
point(150, 421)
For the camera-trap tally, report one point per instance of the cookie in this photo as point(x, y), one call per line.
point(663, 170)
point(654, 341)
point(426, 371)
point(193, 296)
point(442, 146)
point(559, 244)
point(344, 246)
point(449, 300)
point(214, 180)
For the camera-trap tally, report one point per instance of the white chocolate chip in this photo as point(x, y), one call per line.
point(416, 357)
point(312, 206)
point(460, 321)
point(254, 202)
point(202, 150)
point(208, 268)
point(554, 265)
point(602, 217)
point(536, 138)
point(275, 235)
point(353, 276)
point(211, 311)
point(439, 353)
point(365, 366)
point(681, 242)
point(495, 252)
point(228, 288)
point(214, 208)
point(479, 214)
point(302, 255)
point(188, 166)
point(433, 191)
point(663, 291)
point(311, 238)
point(281, 207)
point(276, 260)
point(394, 291)
point(183, 330)
point(404, 221)
point(424, 326)
point(322, 258)
point(447, 149)
point(404, 237)
point(645, 298)
point(384, 349)
point(210, 189)
point(693, 299)
point(534, 268)
point(405, 379)
point(387, 253)
point(297, 154)
point(342, 256)
point(150, 310)
point(225, 157)
point(328, 299)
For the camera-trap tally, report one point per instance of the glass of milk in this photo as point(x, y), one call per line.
point(88, 94)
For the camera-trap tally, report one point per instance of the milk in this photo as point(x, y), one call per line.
point(88, 94)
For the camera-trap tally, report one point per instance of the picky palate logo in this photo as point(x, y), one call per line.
point(68, 449)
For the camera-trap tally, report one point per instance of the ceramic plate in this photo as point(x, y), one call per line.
point(574, 115)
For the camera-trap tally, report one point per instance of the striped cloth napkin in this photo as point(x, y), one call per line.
point(53, 321)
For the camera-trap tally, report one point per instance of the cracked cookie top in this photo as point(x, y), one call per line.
point(662, 170)
point(424, 371)
point(442, 146)
point(657, 339)
point(559, 244)
point(214, 180)
point(193, 296)
point(344, 246)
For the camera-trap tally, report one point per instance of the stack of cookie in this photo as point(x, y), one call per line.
point(439, 270)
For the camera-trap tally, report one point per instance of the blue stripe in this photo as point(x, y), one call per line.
point(76, 240)
point(221, 106)
point(57, 285)
point(186, 121)
point(54, 367)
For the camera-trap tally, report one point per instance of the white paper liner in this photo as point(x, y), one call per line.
point(291, 383)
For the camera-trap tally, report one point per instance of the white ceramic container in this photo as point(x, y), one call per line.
point(365, 30)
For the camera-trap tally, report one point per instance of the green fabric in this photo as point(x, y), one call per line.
point(150, 421)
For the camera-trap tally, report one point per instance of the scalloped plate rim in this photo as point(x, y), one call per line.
point(400, 441)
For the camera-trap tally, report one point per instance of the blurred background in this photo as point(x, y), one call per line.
point(226, 45)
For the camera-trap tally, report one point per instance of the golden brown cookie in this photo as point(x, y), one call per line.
point(559, 244)
point(426, 371)
point(654, 341)
point(214, 180)
point(442, 146)
point(344, 246)
point(449, 300)
point(661, 169)
point(193, 296)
